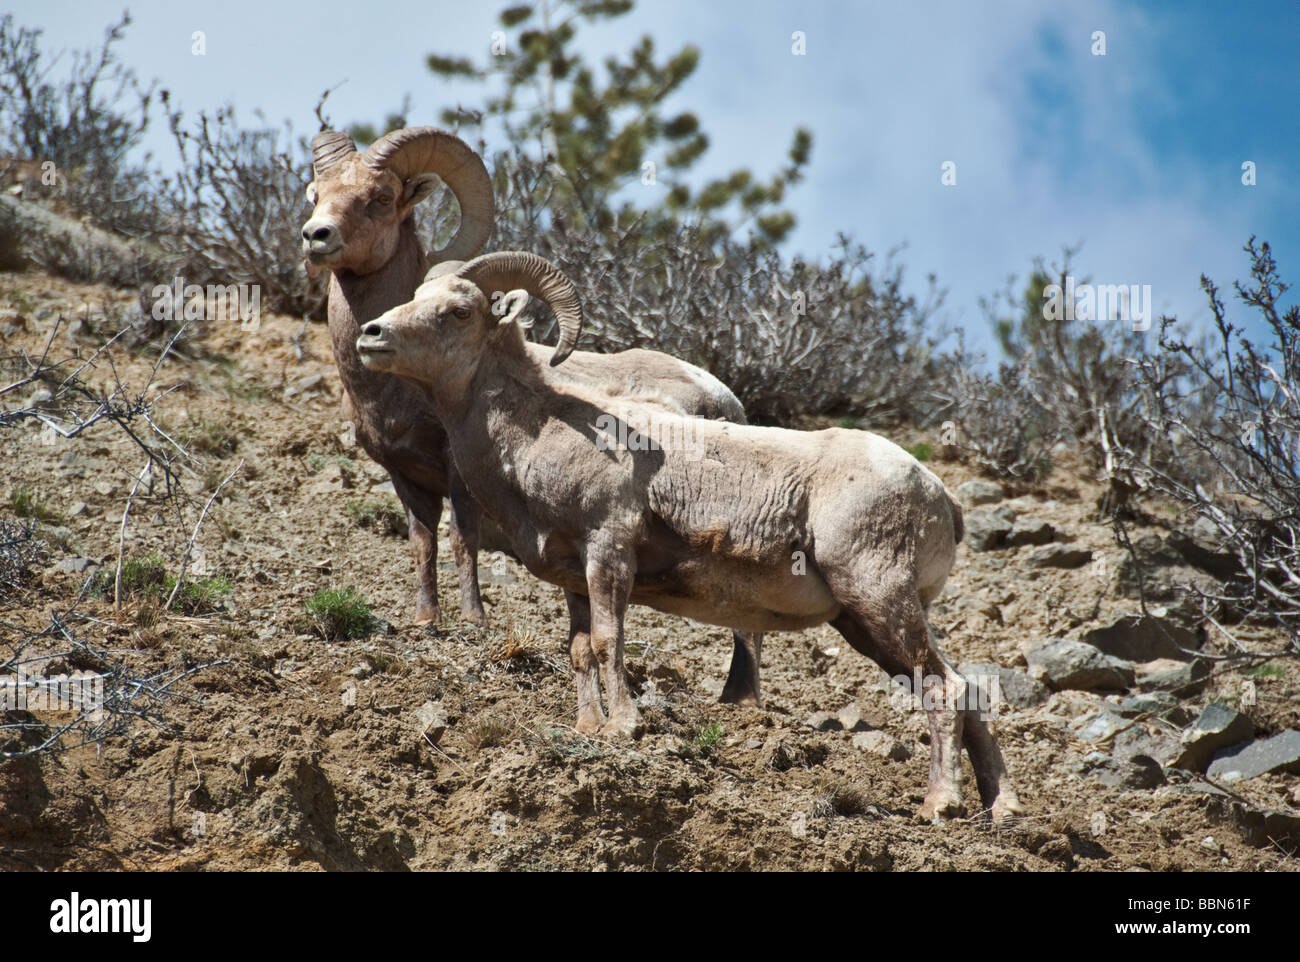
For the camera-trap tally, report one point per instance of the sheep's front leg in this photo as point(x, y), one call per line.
point(463, 535)
point(742, 680)
point(609, 583)
point(590, 717)
point(424, 545)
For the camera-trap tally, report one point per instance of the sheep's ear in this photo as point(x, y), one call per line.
point(311, 193)
point(509, 305)
point(418, 187)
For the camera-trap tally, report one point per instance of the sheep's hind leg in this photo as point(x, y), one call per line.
point(463, 535)
point(590, 716)
point(891, 631)
point(742, 679)
point(997, 793)
point(609, 581)
point(942, 689)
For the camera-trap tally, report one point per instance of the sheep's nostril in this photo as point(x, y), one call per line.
point(319, 234)
point(372, 330)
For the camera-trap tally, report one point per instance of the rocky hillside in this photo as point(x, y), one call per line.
point(453, 746)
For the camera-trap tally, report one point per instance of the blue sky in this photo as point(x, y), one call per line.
point(1136, 154)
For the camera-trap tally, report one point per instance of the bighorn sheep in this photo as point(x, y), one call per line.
point(362, 229)
point(757, 528)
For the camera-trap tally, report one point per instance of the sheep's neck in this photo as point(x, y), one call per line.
point(491, 424)
point(356, 299)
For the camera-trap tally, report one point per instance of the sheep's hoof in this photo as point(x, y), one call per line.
point(748, 698)
point(590, 724)
point(625, 725)
point(474, 617)
point(940, 804)
point(427, 616)
point(1006, 805)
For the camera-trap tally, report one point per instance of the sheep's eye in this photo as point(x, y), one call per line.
point(462, 312)
point(384, 199)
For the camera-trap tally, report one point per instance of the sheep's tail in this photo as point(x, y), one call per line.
point(958, 525)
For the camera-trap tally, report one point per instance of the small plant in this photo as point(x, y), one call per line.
point(340, 613)
point(21, 302)
point(560, 744)
point(214, 436)
point(708, 737)
point(19, 554)
point(27, 503)
point(839, 798)
point(1265, 671)
point(921, 451)
point(488, 730)
point(316, 461)
point(386, 516)
point(199, 596)
point(143, 576)
point(848, 421)
point(146, 578)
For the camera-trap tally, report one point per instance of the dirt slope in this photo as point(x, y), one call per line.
point(302, 753)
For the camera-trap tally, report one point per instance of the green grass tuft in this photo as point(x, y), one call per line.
point(708, 737)
point(386, 517)
point(26, 503)
point(147, 578)
point(340, 613)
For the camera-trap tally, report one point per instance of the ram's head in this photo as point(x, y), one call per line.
point(362, 198)
point(461, 310)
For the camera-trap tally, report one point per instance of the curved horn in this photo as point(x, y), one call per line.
point(507, 270)
point(416, 150)
point(328, 148)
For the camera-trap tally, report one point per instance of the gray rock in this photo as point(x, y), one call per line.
point(986, 530)
point(1059, 556)
point(973, 493)
point(1138, 638)
point(1261, 827)
point(1141, 739)
point(1182, 681)
point(1061, 664)
point(1199, 549)
point(850, 718)
point(1218, 727)
point(1137, 771)
point(883, 744)
point(432, 720)
point(1155, 703)
point(824, 721)
point(1014, 688)
point(1030, 531)
point(75, 566)
point(1101, 724)
point(1281, 753)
